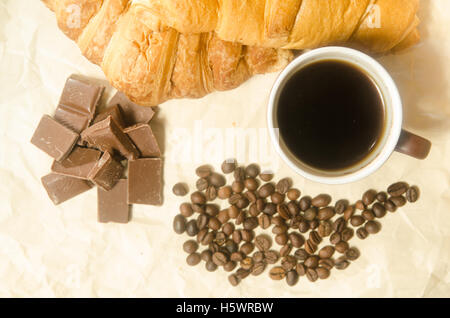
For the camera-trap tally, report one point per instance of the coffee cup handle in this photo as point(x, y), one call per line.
point(413, 145)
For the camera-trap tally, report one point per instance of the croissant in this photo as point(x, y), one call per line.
point(155, 50)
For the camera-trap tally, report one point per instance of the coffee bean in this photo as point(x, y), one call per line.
point(266, 176)
point(198, 208)
point(341, 246)
point(339, 224)
point(300, 269)
point(390, 206)
point(217, 180)
point(224, 217)
point(198, 198)
point(322, 200)
point(202, 184)
point(303, 227)
point(314, 224)
point(231, 246)
point(310, 247)
point(203, 171)
point(258, 268)
point(224, 192)
point(315, 238)
point(293, 194)
point(201, 235)
point(326, 251)
point(212, 209)
point(264, 221)
point(242, 273)
point(281, 239)
point(247, 235)
point(219, 258)
point(301, 254)
point(247, 263)
point(266, 190)
point(270, 208)
point(412, 194)
point(293, 208)
point(206, 255)
point(341, 263)
point(202, 221)
point(236, 236)
point(214, 224)
point(325, 228)
point(253, 210)
point(294, 222)
point(398, 201)
point(357, 220)
point(322, 272)
point(179, 224)
point(348, 212)
point(326, 213)
point(361, 233)
point(291, 278)
point(312, 261)
point(191, 228)
point(284, 185)
point(352, 253)
point(180, 189)
point(239, 174)
point(263, 242)
point(369, 196)
point(260, 204)
point(335, 238)
point(237, 186)
point(277, 198)
point(277, 273)
point(251, 196)
point(251, 184)
point(397, 189)
point(233, 212)
point(190, 246)
point(285, 250)
point(283, 211)
point(237, 256)
point(228, 166)
point(372, 227)
point(310, 214)
point(369, 215)
point(382, 196)
point(234, 280)
point(296, 239)
point(340, 206)
point(247, 248)
point(242, 203)
point(305, 203)
point(250, 223)
point(288, 262)
point(347, 234)
point(359, 205)
point(208, 238)
point(327, 263)
point(186, 209)
point(271, 257)
point(252, 170)
point(193, 259)
point(210, 266)
point(230, 266)
point(378, 211)
point(312, 275)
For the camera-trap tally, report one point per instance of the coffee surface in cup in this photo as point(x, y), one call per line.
point(330, 115)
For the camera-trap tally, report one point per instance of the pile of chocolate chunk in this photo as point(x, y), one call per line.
point(94, 146)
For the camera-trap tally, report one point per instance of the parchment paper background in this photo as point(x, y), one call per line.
point(62, 251)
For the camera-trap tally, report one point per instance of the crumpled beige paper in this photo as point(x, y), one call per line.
point(62, 251)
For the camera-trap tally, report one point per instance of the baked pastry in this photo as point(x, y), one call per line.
point(155, 50)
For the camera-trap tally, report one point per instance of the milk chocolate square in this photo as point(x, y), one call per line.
point(78, 164)
point(107, 136)
point(132, 113)
point(78, 103)
point(115, 112)
point(145, 181)
point(54, 138)
point(106, 172)
point(62, 188)
point(112, 205)
point(144, 139)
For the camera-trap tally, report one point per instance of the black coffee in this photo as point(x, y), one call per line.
point(330, 115)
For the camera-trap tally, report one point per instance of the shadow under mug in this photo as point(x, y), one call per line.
point(394, 138)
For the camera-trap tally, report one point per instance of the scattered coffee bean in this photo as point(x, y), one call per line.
point(203, 171)
point(180, 189)
point(198, 198)
point(198, 208)
point(398, 201)
point(303, 227)
point(322, 200)
point(234, 280)
point(325, 228)
point(217, 180)
point(314, 224)
point(310, 214)
point(285, 250)
point(341, 247)
point(397, 189)
point(369, 215)
point(362, 233)
point(341, 263)
point(271, 257)
point(202, 184)
point(247, 263)
point(283, 211)
point(310, 247)
point(211, 266)
point(193, 259)
point(186, 209)
point(191, 228)
point(335, 238)
point(372, 227)
point(339, 224)
point(322, 272)
point(340, 206)
point(277, 198)
point(412, 194)
point(228, 166)
point(382, 196)
point(247, 248)
point(312, 275)
point(211, 193)
point(305, 203)
point(242, 273)
point(247, 235)
point(326, 252)
point(251, 184)
point(266, 176)
point(237, 186)
point(179, 224)
point(202, 221)
point(239, 174)
point(352, 253)
point(312, 261)
point(211, 209)
point(219, 258)
point(359, 205)
point(348, 212)
point(284, 185)
point(357, 220)
point(250, 223)
point(277, 273)
point(293, 208)
point(378, 210)
point(390, 206)
point(300, 269)
point(264, 221)
point(263, 242)
point(291, 278)
point(314, 237)
point(327, 263)
point(252, 170)
point(326, 213)
point(293, 194)
point(224, 192)
point(233, 212)
point(270, 208)
point(347, 234)
point(288, 262)
point(296, 239)
point(190, 246)
point(258, 268)
point(281, 239)
point(369, 196)
point(230, 266)
point(237, 257)
point(206, 255)
point(266, 190)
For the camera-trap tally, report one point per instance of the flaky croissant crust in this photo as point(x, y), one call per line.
point(155, 50)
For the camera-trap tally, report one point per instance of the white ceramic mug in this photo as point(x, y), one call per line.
point(393, 137)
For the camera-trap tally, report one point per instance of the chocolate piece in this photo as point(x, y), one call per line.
point(106, 172)
point(112, 205)
point(132, 113)
point(145, 181)
point(113, 111)
point(78, 164)
point(54, 138)
point(107, 136)
point(142, 136)
point(62, 188)
point(78, 103)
